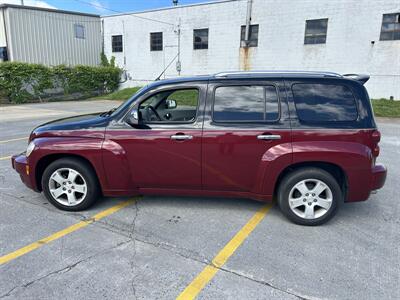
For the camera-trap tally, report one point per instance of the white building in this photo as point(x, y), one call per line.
point(49, 36)
point(344, 36)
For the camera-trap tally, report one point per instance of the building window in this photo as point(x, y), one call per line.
point(3, 54)
point(156, 41)
point(253, 36)
point(390, 27)
point(116, 43)
point(79, 31)
point(316, 31)
point(200, 38)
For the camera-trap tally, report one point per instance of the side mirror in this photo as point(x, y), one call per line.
point(133, 117)
point(170, 104)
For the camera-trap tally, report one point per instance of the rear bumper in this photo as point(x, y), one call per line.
point(20, 164)
point(378, 177)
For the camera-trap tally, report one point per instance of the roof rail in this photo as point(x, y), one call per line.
point(362, 78)
point(283, 73)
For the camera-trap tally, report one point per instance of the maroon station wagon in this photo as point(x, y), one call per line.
point(308, 139)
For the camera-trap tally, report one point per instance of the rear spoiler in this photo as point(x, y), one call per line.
point(358, 77)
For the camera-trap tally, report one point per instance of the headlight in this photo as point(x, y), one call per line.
point(30, 148)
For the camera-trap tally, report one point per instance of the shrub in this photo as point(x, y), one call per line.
point(22, 81)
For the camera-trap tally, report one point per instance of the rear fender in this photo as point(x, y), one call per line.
point(273, 162)
point(354, 159)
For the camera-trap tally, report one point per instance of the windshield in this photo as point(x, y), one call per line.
point(126, 103)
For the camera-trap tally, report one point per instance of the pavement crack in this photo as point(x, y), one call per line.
point(133, 240)
point(62, 270)
point(226, 270)
point(133, 237)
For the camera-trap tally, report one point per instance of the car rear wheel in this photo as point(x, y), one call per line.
point(70, 184)
point(309, 196)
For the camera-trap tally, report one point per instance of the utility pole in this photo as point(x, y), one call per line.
point(22, 2)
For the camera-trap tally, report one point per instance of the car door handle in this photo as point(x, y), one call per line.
point(181, 137)
point(268, 137)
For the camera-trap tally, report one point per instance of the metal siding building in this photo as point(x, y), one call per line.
point(352, 43)
point(50, 37)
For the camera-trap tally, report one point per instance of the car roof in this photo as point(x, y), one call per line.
point(264, 74)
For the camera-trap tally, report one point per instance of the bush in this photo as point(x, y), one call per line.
point(22, 81)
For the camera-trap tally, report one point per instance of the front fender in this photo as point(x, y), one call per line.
point(86, 148)
point(117, 165)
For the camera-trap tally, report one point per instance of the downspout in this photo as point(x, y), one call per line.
point(178, 63)
point(248, 22)
point(123, 43)
point(102, 36)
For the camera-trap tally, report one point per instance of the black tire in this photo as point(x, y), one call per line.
point(288, 183)
point(87, 173)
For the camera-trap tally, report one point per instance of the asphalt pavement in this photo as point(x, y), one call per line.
point(155, 247)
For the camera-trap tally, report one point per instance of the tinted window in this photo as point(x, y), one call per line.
point(116, 43)
point(156, 41)
point(324, 102)
point(246, 104)
point(200, 38)
point(316, 31)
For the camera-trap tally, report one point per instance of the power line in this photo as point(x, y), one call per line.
point(120, 12)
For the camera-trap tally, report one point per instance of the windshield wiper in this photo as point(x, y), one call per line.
point(108, 113)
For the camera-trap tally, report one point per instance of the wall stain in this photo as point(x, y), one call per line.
point(245, 59)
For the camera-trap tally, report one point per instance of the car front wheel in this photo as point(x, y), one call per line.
point(309, 196)
point(70, 184)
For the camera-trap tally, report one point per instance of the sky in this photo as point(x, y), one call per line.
point(102, 7)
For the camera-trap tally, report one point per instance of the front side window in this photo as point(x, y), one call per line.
point(156, 41)
point(253, 36)
point(3, 54)
point(200, 38)
point(179, 106)
point(324, 102)
point(246, 104)
point(390, 27)
point(116, 43)
point(79, 31)
point(316, 31)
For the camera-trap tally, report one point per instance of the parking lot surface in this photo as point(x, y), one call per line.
point(154, 247)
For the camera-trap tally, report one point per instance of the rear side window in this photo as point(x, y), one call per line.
point(324, 103)
point(246, 104)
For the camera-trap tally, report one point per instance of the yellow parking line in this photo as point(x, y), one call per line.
point(24, 250)
point(5, 157)
point(205, 276)
point(13, 140)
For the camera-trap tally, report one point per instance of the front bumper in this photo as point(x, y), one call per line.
point(20, 164)
point(378, 177)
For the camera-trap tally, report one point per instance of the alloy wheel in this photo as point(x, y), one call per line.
point(310, 199)
point(67, 186)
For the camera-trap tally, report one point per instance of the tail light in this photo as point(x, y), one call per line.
point(376, 137)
